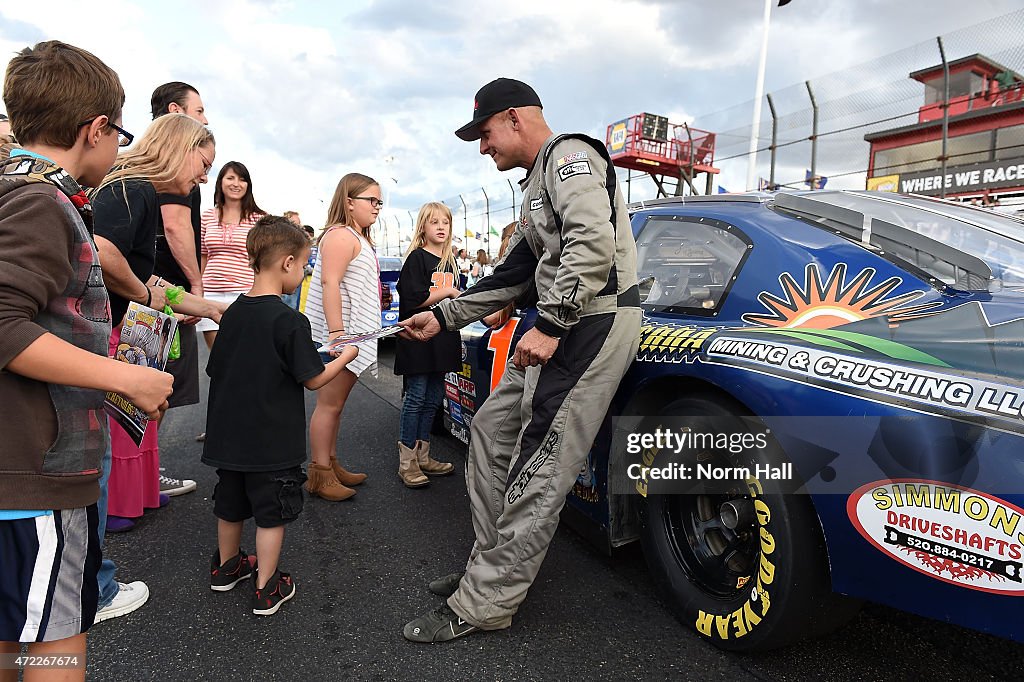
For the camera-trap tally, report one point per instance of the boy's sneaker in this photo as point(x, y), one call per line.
point(225, 576)
point(277, 591)
point(446, 586)
point(175, 486)
point(128, 598)
point(440, 625)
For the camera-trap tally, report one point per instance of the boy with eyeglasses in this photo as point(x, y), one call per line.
point(65, 105)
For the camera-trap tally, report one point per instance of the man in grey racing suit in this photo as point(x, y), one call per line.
point(533, 433)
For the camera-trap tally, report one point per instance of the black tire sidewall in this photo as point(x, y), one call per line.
point(788, 589)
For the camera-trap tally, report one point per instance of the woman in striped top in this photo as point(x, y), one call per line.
point(344, 297)
point(225, 264)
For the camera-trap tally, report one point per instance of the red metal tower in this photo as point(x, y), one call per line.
point(672, 154)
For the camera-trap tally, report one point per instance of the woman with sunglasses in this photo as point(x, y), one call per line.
point(173, 156)
point(344, 298)
point(224, 261)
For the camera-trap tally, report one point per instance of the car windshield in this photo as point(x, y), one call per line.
point(961, 246)
point(390, 264)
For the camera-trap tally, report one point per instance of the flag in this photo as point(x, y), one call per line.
point(722, 190)
point(814, 183)
point(763, 185)
point(469, 234)
point(494, 231)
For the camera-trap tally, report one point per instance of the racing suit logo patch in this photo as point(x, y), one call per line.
point(570, 158)
point(577, 168)
point(536, 204)
point(517, 489)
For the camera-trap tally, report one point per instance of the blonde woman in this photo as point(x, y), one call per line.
point(173, 156)
point(344, 298)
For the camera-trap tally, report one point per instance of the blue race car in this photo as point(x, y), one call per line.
point(390, 268)
point(871, 345)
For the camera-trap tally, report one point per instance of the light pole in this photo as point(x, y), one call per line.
point(386, 189)
point(758, 95)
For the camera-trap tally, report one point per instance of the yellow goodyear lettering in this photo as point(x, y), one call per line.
point(764, 514)
point(767, 541)
point(722, 625)
point(765, 572)
point(743, 620)
point(648, 459)
point(739, 622)
point(641, 487)
point(703, 623)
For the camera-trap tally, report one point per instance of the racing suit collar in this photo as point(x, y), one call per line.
point(536, 159)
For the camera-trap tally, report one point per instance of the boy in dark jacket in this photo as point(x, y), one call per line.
point(65, 109)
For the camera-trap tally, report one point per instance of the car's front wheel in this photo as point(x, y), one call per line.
point(742, 563)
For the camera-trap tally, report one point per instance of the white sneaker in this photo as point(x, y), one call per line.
point(175, 486)
point(129, 597)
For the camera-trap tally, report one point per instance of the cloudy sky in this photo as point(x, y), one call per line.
point(303, 92)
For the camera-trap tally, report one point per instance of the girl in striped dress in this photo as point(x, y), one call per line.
point(344, 297)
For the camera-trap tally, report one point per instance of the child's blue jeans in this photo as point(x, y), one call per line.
point(423, 393)
point(108, 586)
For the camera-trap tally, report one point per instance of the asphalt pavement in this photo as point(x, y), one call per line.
point(361, 568)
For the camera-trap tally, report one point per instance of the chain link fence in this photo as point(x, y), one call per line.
point(870, 97)
point(478, 218)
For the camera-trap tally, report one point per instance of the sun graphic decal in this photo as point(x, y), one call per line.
point(824, 305)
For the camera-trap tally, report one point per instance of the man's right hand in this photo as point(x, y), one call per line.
point(149, 390)
point(421, 326)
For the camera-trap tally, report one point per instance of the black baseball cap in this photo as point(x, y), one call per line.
point(498, 95)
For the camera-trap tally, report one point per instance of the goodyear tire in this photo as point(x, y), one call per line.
point(759, 586)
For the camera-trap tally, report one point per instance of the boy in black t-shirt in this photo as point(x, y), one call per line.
point(256, 422)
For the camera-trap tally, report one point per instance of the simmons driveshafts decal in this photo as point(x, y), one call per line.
point(958, 535)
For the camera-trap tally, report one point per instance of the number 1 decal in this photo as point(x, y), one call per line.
point(501, 343)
